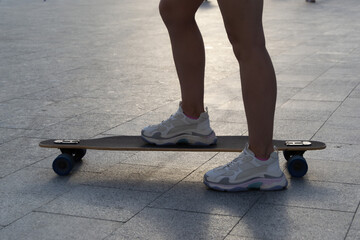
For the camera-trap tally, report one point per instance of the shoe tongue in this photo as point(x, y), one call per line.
point(179, 111)
point(247, 151)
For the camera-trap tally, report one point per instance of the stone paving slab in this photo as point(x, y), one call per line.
point(94, 161)
point(354, 231)
point(287, 129)
point(340, 152)
point(154, 223)
point(355, 93)
point(9, 134)
point(315, 195)
point(90, 68)
point(307, 110)
point(282, 222)
point(133, 177)
point(29, 122)
point(334, 135)
point(13, 159)
point(186, 160)
point(26, 190)
point(100, 203)
point(353, 234)
point(193, 197)
point(333, 171)
point(347, 108)
point(54, 226)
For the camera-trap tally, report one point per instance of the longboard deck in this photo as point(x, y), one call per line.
point(74, 150)
point(136, 143)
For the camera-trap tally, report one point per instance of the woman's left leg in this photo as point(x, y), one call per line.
point(243, 22)
point(258, 165)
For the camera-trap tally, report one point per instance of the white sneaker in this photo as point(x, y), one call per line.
point(247, 172)
point(180, 129)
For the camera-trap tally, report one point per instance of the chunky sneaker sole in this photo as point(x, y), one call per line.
point(265, 184)
point(188, 139)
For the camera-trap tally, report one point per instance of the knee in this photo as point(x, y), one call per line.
point(246, 45)
point(174, 13)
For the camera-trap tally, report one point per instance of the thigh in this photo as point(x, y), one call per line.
point(242, 19)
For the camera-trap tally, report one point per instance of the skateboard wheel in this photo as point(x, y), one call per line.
point(297, 166)
point(63, 164)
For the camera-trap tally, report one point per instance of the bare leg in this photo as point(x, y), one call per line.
point(243, 22)
point(188, 51)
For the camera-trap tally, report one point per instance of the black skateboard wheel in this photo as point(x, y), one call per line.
point(297, 166)
point(63, 164)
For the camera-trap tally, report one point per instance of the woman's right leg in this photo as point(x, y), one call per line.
point(190, 124)
point(188, 51)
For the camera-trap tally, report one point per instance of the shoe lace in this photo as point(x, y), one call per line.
point(167, 121)
point(236, 161)
point(233, 163)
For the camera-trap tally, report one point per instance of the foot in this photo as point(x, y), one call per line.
point(247, 172)
point(181, 129)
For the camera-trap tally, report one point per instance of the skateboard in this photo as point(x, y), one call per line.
point(73, 150)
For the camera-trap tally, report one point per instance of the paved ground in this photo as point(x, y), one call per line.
point(86, 68)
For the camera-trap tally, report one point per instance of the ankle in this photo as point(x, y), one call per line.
point(192, 112)
point(262, 159)
point(262, 154)
point(191, 117)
